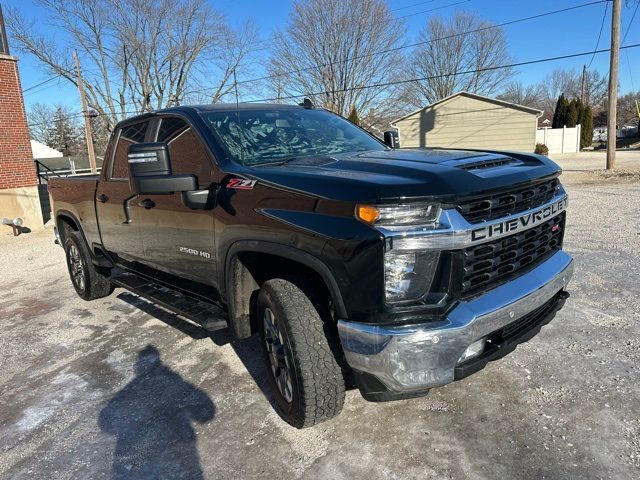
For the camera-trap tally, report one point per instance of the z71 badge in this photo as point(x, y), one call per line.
point(241, 184)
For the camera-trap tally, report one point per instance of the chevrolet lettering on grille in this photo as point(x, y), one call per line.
point(523, 222)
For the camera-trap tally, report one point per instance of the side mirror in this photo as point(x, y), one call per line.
point(391, 139)
point(150, 171)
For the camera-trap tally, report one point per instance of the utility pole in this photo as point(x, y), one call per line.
point(583, 85)
point(4, 42)
point(614, 58)
point(87, 123)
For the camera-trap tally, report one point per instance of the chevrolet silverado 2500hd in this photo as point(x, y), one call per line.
point(398, 270)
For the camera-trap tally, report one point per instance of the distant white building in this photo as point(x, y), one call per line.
point(40, 150)
point(627, 131)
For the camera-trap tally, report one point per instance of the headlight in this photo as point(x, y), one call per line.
point(408, 276)
point(397, 217)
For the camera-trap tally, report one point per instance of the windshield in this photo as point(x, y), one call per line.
point(255, 137)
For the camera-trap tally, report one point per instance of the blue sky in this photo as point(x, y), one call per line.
point(554, 35)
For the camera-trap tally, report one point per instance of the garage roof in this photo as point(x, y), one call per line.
point(495, 101)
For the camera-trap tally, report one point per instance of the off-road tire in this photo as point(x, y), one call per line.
point(312, 348)
point(96, 284)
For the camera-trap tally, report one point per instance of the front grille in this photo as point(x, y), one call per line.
point(489, 264)
point(508, 203)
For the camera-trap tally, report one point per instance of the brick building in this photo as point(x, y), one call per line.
point(18, 181)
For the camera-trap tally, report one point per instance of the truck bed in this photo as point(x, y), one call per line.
point(75, 197)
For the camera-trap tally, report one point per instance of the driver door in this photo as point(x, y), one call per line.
point(116, 205)
point(176, 239)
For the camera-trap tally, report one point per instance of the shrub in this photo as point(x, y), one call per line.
point(541, 149)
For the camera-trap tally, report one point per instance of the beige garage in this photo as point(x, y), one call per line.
point(467, 120)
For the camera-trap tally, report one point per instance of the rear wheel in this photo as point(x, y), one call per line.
point(88, 281)
point(300, 353)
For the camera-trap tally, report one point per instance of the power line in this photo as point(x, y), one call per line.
point(386, 84)
point(416, 44)
point(41, 83)
point(394, 49)
point(604, 17)
point(432, 77)
point(61, 117)
point(624, 37)
point(432, 9)
point(413, 5)
point(408, 46)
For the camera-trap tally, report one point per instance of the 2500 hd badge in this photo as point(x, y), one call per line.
point(523, 222)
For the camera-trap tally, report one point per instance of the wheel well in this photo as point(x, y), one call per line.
point(249, 270)
point(65, 225)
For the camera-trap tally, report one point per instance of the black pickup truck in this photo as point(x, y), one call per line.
point(395, 270)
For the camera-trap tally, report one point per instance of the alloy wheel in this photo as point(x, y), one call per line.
point(277, 353)
point(76, 267)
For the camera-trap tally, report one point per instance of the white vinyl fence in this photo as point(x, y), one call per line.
point(560, 140)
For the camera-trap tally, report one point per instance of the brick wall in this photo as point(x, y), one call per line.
point(16, 160)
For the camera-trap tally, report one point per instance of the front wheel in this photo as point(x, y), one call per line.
point(88, 282)
point(300, 354)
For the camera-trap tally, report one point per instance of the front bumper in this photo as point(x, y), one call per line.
point(411, 359)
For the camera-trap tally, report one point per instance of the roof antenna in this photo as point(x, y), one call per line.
point(235, 86)
point(306, 103)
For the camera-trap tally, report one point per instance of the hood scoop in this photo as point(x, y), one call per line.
point(471, 164)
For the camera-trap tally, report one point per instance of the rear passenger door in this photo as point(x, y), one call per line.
point(116, 206)
point(178, 240)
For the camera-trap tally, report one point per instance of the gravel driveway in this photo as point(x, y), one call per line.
point(98, 390)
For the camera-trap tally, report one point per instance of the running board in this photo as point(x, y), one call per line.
point(208, 316)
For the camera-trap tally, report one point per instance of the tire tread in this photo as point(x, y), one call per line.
point(314, 347)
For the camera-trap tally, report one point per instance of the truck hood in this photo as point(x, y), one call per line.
point(391, 175)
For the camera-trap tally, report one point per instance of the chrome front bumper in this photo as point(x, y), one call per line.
point(413, 358)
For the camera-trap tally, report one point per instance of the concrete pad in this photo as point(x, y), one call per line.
point(117, 388)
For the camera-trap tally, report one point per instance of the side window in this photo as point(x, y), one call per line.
point(129, 135)
point(188, 155)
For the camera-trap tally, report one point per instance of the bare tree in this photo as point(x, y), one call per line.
point(628, 110)
point(137, 55)
point(40, 118)
point(533, 95)
point(569, 82)
point(627, 113)
point(464, 44)
point(329, 53)
point(57, 127)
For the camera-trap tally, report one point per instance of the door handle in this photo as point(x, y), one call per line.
point(147, 203)
point(103, 198)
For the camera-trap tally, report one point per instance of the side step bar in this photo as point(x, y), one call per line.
point(208, 316)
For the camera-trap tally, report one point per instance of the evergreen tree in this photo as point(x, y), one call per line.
point(571, 118)
point(586, 136)
point(581, 108)
point(560, 113)
point(353, 116)
point(64, 136)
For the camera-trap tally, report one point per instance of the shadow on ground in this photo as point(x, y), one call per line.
point(248, 350)
point(151, 418)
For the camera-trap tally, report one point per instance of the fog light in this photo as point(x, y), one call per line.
point(473, 350)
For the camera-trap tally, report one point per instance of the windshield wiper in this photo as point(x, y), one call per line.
point(280, 161)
